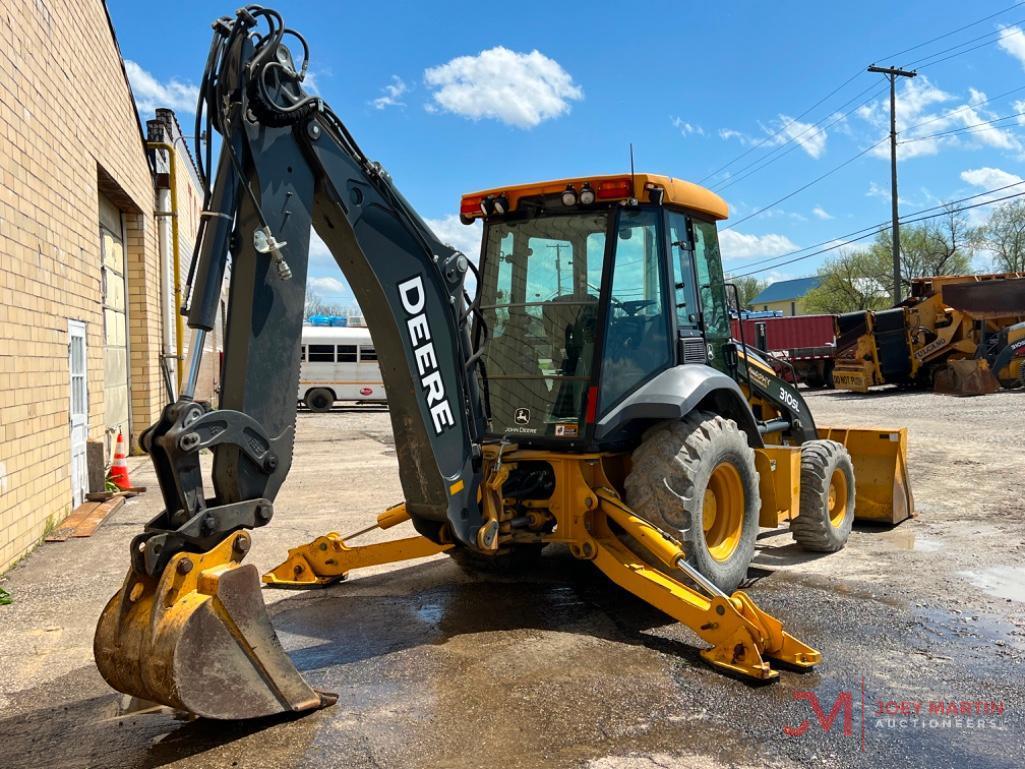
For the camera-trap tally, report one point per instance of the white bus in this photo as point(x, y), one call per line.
point(338, 364)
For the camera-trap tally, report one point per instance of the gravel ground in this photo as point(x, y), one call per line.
point(559, 668)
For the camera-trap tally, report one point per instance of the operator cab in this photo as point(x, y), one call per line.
point(591, 287)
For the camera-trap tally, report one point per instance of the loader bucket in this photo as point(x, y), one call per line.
point(880, 458)
point(198, 638)
point(965, 376)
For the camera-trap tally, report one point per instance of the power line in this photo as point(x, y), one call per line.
point(793, 139)
point(999, 36)
point(952, 32)
point(865, 151)
point(772, 136)
point(876, 227)
point(816, 180)
point(883, 229)
point(962, 44)
point(776, 134)
point(963, 129)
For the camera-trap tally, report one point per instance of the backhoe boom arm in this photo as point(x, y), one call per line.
point(288, 164)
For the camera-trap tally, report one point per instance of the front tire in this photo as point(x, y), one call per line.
point(826, 513)
point(696, 480)
point(320, 400)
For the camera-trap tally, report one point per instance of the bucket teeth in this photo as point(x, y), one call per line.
point(199, 639)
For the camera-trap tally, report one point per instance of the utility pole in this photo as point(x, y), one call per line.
point(892, 73)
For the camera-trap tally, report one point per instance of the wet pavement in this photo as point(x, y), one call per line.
point(438, 668)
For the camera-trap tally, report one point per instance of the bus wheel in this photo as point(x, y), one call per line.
point(320, 400)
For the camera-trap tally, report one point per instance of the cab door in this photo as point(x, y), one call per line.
point(689, 337)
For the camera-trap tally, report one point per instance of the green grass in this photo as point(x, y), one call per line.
point(5, 597)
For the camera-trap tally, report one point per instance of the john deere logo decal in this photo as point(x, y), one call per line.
point(521, 416)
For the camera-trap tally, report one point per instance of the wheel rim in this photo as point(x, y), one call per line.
point(722, 512)
point(836, 502)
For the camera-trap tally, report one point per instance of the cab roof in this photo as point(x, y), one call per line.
point(608, 188)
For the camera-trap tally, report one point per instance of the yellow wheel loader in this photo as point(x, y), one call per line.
point(588, 395)
point(956, 334)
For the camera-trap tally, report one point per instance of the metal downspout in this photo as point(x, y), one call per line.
point(179, 322)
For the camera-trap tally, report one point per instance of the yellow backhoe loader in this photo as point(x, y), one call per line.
point(588, 395)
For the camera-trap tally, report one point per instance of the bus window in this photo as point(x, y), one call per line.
point(321, 353)
point(302, 353)
point(346, 353)
point(367, 353)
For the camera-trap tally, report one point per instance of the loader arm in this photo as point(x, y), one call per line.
point(287, 166)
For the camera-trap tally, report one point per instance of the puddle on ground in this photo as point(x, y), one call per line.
point(1006, 582)
point(907, 539)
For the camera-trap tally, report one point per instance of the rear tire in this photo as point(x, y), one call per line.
point(826, 513)
point(320, 400)
point(696, 480)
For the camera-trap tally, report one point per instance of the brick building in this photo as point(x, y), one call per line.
point(86, 261)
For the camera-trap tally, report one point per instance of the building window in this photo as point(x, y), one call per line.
point(321, 353)
point(793, 308)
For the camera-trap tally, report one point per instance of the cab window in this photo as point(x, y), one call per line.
point(710, 280)
point(681, 254)
point(637, 340)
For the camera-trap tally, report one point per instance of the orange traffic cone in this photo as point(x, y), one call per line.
point(119, 470)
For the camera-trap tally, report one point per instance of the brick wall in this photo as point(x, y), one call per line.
point(67, 130)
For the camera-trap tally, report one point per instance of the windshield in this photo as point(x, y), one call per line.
point(541, 281)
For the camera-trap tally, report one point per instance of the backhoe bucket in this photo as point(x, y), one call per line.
point(880, 457)
point(965, 376)
point(198, 638)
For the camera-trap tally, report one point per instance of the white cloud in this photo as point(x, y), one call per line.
point(920, 117)
point(808, 136)
point(520, 89)
point(150, 93)
point(465, 238)
point(989, 178)
point(1012, 40)
point(392, 94)
point(1019, 106)
point(327, 287)
point(737, 245)
point(811, 138)
point(319, 253)
point(685, 128)
point(820, 213)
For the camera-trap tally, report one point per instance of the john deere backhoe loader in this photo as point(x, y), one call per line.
point(589, 395)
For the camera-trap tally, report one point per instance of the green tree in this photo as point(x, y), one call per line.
point(747, 289)
point(852, 280)
point(1004, 236)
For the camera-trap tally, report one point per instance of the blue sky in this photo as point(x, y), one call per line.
point(453, 97)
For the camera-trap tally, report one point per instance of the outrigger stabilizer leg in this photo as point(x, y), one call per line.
point(330, 558)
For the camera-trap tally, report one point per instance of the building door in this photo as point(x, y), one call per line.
point(115, 325)
point(79, 411)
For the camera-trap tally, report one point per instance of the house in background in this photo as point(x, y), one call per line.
point(785, 295)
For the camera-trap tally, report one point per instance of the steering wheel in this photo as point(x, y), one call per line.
point(634, 306)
